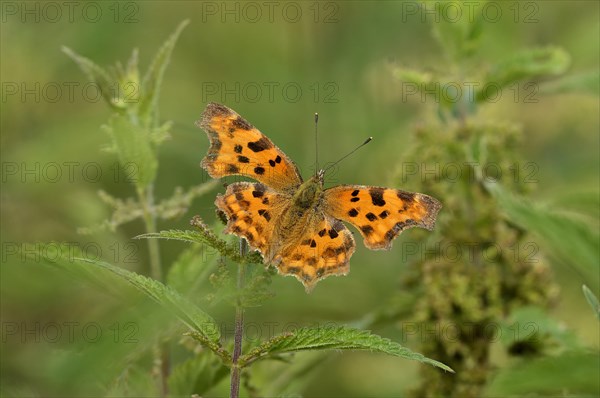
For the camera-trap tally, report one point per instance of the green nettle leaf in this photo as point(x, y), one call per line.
point(572, 374)
point(197, 375)
point(153, 78)
point(186, 311)
point(133, 148)
point(106, 83)
point(526, 65)
point(206, 236)
point(333, 337)
point(569, 238)
point(592, 300)
point(191, 267)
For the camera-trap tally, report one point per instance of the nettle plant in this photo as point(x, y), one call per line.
point(136, 133)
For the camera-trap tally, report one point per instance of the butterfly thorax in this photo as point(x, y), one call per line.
point(306, 198)
point(308, 194)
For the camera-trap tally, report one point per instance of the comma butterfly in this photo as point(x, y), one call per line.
point(297, 225)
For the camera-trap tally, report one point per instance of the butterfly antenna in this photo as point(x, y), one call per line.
point(350, 153)
point(316, 144)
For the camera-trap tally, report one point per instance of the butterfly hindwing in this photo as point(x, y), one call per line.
point(252, 210)
point(323, 247)
point(237, 147)
point(381, 214)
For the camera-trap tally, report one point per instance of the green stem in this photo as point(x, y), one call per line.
point(239, 327)
point(146, 198)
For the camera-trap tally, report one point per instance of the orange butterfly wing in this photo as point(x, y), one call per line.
point(380, 214)
point(322, 248)
point(237, 147)
point(252, 211)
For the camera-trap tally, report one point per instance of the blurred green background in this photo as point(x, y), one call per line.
point(333, 58)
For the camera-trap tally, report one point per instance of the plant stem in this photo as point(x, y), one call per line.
point(146, 198)
point(239, 327)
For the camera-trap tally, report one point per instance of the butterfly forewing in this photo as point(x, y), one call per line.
point(237, 147)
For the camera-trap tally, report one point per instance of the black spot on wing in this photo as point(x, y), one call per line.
point(260, 145)
point(271, 162)
point(237, 148)
point(232, 168)
point(265, 214)
point(367, 230)
point(259, 170)
point(377, 196)
point(371, 216)
point(322, 232)
point(407, 197)
point(333, 234)
point(384, 214)
point(355, 199)
point(243, 159)
point(278, 159)
point(353, 213)
point(355, 192)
